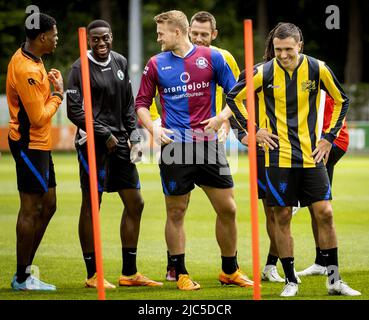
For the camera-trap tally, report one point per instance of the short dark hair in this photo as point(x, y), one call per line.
point(204, 16)
point(98, 24)
point(282, 31)
point(46, 23)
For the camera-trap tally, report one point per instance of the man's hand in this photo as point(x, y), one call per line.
point(264, 137)
point(212, 124)
point(160, 135)
point(111, 143)
point(136, 152)
point(322, 150)
point(223, 131)
point(245, 140)
point(56, 79)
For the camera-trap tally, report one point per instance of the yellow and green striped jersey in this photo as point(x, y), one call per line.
point(219, 91)
point(288, 105)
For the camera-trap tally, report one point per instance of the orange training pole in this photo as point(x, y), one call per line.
point(249, 65)
point(91, 161)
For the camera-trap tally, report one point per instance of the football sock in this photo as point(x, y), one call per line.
point(169, 262)
point(229, 265)
point(288, 268)
point(331, 261)
point(22, 274)
point(237, 261)
point(89, 258)
point(129, 261)
point(178, 261)
point(271, 260)
point(319, 258)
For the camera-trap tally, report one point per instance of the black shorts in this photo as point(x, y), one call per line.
point(114, 171)
point(288, 186)
point(182, 165)
point(261, 175)
point(334, 156)
point(35, 168)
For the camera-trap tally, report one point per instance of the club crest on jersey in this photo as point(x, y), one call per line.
point(308, 85)
point(120, 74)
point(201, 62)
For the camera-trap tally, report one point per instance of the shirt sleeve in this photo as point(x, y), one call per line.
point(29, 87)
point(232, 64)
point(75, 108)
point(330, 84)
point(223, 72)
point(130, 117)
point(238, 94)
point(148, 85)
point(238, 131)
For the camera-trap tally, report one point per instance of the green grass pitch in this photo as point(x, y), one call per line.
point(60, 262)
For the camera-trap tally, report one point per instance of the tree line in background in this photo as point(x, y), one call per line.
point(343, 49)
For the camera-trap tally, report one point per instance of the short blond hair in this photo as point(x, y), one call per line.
point(175, 18)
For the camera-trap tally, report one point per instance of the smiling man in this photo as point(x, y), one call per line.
point(31, 107)
point(288, 87)
point(185, 75)
point(203, 31)
point(117, 149)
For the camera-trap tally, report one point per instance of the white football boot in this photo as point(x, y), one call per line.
point(270, 273)
point(290, 290)
point(313, 270)
point(341, 288)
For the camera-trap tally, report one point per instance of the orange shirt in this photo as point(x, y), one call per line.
point(31, 105)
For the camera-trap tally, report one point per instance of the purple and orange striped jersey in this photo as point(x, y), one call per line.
point(187, 88)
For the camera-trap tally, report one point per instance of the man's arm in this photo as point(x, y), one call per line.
point(144, 99)
point(130, 117)
point(223, 130)
point(330, 84)
point(226, 79)
point(159, 133)
point(238, 131)
point(235, 102)
point(214, 123)
point(75, 109)
point(39, 112)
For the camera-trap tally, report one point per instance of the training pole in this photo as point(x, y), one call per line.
point(250, 98)
point(91, 161)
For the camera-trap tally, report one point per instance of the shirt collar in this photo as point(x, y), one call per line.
point(102, 64)
point(187, 53)
point(29, 54)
